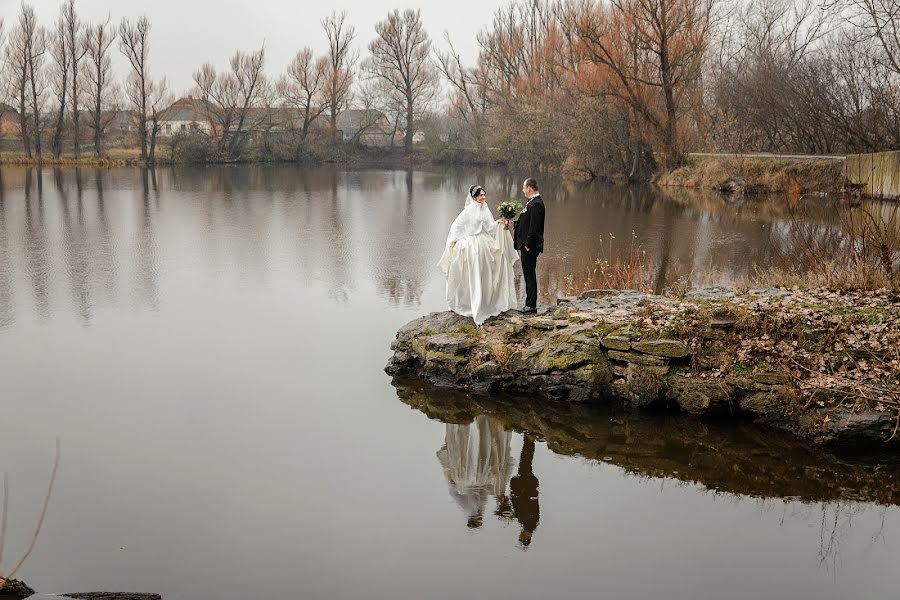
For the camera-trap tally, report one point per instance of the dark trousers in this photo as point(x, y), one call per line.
point(529, 266)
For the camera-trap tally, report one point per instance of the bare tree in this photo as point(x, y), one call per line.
point(35, 39)
point(97, 41)
point(469, 99)
point(158, 100)
point(653, 51)
point(229, 97)
point(400, 56)
point(16, 56)
point(59, 81)
point(341, 60)
point(306, 87)
point(880, 20)
point(134, 44)
point(75, 42)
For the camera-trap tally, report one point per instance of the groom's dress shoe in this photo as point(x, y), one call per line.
point(529, 310)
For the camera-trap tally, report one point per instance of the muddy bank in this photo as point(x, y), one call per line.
point(819, 364)
point(757, 175)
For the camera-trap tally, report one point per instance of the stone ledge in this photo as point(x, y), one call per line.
point(647, 350)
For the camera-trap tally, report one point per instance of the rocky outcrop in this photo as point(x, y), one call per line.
point(713, 353)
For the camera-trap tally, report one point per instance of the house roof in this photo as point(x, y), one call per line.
point(353, 119)
point(187, 108)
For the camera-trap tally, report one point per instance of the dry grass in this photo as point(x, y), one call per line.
point(860, 251)
point(114, 157)
point(763, 175)
point(629, 269)
point(501, 352)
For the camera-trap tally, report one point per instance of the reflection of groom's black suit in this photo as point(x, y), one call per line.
point(524, 490)
point(529, 239)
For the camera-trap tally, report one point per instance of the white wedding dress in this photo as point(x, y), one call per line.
point(478, 261)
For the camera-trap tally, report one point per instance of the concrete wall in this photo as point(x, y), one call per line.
point(879, 173)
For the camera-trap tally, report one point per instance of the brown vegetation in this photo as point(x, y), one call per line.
point(762, 175)
point(593, 89)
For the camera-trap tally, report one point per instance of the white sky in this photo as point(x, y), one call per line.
point(186, 33)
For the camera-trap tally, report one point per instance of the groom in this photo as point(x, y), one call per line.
point(529, 240)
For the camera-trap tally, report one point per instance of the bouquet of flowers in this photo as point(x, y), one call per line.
point(509, 210)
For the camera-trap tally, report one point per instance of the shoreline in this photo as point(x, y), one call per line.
point(811, 363)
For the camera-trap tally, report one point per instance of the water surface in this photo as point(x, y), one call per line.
point(209, 345)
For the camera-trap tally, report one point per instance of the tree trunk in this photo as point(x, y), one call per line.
point(334, 132)
point(58, 130)
point(37, 117)
point(142, 133)
point(76, 130)
point(670, 141)
point(98, 120)
point(154, 131)
point(409, 124)
point(23, 123)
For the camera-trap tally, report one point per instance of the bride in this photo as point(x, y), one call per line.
point(478, 262)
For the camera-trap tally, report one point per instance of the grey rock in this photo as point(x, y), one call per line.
point(448, 343)
point(710, 293)
point(638, 359)
point(663, 348)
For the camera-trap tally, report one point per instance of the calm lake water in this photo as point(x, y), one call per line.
point(208, 344)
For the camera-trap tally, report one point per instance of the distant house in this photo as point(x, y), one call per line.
point(366, 127)
point(9, 121)
point(185, 114)
point(119, 123)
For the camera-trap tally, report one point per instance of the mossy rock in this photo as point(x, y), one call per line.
point(616, 342)
point(663, 348)
point(638, 359)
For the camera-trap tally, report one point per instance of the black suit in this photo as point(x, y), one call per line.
point(529, 239)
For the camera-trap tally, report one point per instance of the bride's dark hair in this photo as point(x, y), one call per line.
point(475, 191)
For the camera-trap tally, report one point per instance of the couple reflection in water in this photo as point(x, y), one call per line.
point(478, 463)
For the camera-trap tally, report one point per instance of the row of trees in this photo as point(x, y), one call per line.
point(600, 86)
point(66, 70)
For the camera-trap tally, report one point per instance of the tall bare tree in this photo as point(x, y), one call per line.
point(401, 57)
point(16, 56)
point(59, 80)
point(305, 87)
point(97, 41)
point(134, 43)
point(342, 59)
point(468, 95)
point(229, 97)
point(75, 42)
point(35, 39)
point(653, 51)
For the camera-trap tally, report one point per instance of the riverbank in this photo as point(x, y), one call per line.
point(822, 365)
point(348, 156)
point(758, 175)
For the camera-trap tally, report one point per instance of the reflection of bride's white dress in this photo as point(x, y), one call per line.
point(478, 261)
point(477, 462)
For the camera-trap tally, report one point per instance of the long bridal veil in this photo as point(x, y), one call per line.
point(478, 261)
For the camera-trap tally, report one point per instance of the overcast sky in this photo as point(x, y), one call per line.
point(186, 33)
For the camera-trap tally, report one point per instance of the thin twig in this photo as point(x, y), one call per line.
point(3, 519)
point(40, 523)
